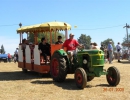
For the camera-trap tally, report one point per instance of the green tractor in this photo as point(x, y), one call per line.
point(86, 65)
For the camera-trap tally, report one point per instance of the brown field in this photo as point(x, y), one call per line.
point(16, 85)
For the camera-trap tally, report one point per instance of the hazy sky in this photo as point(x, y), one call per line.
point(101, 19)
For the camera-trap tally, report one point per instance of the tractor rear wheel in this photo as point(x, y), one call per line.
point(58, 68)
point(113, 76)
point(80, 78)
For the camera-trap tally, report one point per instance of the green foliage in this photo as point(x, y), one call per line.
point(106, 42)
point(125, 41)
point(85, 40)
point(47, 36)
point(2, 49)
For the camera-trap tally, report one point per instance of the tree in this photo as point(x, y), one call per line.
point(47, 35)
point(125, 41)
point(85, 40)
point(2, 49)
point(106, 42)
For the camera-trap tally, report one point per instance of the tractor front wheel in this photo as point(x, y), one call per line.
point(113, 76)
point(80, 78)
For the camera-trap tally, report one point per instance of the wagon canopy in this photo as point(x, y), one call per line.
point(44, 27)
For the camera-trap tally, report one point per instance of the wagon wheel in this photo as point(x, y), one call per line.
point(113, 76)
point(80, 78)
point(58, 67)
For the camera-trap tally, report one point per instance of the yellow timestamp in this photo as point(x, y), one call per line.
point(113, 89)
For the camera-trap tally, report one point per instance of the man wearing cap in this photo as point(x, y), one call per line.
point(110, 50)
point(71, 45)
point(59, 40)
point(118, 48)
point(91, 45)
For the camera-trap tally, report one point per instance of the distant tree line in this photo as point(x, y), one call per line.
point(2, 50)
point(83, 39)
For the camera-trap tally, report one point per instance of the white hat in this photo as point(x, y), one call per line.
point(71, 34)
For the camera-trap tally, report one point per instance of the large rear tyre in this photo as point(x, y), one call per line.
point(80, 78)
point(113, 76)
point(58, 68)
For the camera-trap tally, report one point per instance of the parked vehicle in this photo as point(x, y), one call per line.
point(4, 57)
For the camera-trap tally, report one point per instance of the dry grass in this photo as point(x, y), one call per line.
point(15, 85)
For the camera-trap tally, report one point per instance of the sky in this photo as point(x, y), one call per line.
point(100, 19)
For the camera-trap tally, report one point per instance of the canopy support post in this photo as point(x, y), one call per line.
point(66, 34)
point(50, 37)
point(20, 38)
point(27, 36)
point(35, 37)
point(55, 36)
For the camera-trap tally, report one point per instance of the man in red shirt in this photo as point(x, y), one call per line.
point(71, 45)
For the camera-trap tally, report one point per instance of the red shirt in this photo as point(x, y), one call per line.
point(71, 44)
point(9, 56)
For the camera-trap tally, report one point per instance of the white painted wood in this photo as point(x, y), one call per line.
point(28, 54)
point(20, 54)
point(36, 55)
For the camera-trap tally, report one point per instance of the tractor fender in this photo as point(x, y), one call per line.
point(64, 54)
point(61, 52)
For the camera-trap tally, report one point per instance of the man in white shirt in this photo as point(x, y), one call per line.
point(118, 48)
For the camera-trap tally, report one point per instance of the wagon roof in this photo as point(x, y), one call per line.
point(44, 27)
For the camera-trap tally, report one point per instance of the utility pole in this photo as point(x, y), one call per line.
point(127, 26)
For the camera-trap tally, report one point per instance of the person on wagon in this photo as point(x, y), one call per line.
point(59, 40)
point(44, 48)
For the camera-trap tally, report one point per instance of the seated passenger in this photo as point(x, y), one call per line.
point(91, 45)
point(24, 43)
point(31, 46)
point(44, 49)
point(59, 40)
point(95, 46)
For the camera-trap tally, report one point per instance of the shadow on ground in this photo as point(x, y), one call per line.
point(103, 85)
point(125, 62)
point(68, 84)
point(18, 75)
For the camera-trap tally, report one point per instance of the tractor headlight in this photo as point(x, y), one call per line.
point(84, 61)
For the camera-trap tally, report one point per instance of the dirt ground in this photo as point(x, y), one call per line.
point(16, 85)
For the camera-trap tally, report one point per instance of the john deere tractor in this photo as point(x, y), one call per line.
point(86, 65)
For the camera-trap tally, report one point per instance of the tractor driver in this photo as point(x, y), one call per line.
point(71, 45)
